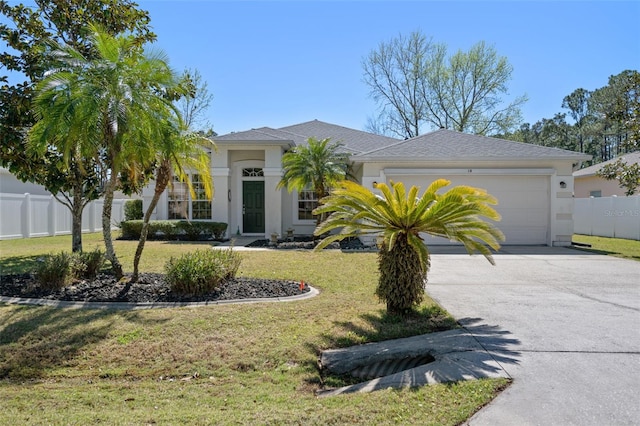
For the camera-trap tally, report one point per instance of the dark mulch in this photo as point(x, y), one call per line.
point(308, 243)
point(152, 288)
point(149, 288)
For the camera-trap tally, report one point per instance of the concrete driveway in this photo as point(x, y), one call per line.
point(565, 325)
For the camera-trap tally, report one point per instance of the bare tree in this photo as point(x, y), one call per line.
point(416, 84)
point(195, 105)
point(395, 72)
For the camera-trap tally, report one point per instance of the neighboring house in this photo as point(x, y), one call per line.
point(587, 184)
point(9, 184)
point(533, 184)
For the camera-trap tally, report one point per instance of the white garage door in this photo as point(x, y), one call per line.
point(523, 202)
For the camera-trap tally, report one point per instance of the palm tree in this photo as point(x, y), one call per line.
point(398, 219)
point(177, 153)
point(318, 165)
point(113, 105)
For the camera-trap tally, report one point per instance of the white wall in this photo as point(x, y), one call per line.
point(9, 184)
point(616, 217)
point(27, 216)
point(585, 184)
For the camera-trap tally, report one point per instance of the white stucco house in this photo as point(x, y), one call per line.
point(587, 184)
point(533, 184)
point(9, 184)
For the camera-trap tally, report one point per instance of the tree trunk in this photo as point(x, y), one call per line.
point(76, 225)
point(402, 277)
point(106, 226)
point(162, 180)
point(77, 205)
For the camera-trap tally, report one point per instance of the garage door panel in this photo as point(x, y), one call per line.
point(522, 217)
point(523, 203)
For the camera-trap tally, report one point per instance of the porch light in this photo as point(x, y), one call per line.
point(563, 184)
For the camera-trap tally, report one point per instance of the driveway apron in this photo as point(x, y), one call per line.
point(569, 323)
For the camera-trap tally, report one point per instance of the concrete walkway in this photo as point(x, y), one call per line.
point(570, 323)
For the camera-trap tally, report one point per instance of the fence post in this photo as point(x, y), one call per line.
point(92, 216)
point(52, 216)
point(26, 216)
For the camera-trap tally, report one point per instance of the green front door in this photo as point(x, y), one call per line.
point(253, 207)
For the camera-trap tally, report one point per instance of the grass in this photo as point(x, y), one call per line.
point(227, 364)
point(618, 247)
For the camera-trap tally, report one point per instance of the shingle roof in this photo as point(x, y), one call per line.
point(261, 134)
point(630, 158)
point(443, 145)
point(355, 141)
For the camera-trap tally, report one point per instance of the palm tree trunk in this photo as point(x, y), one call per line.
point(106, 226)
point(77, 205)
point(402, 277)
point(162, 180)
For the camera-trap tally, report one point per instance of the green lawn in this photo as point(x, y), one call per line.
point(228, 364)
point(629, 249)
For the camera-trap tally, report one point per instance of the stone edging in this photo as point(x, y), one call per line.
point(149, 305)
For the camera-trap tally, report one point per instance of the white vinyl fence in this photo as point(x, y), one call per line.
point(26, 216)
point(617, 217)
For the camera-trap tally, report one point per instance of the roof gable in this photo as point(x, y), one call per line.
point(629, 158)
point(443, 145)
point(354, 141)
point(261, 134)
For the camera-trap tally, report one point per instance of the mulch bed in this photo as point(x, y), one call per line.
point(150, 288)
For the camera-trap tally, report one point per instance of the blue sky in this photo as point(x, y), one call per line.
point(276, 63)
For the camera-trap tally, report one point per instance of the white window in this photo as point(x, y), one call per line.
point(200, 205)
point(307, 202)
point(183, 206)
point(595, 194)
point(178, 200)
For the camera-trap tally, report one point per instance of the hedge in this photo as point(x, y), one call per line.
point(133, 210)
point(174, 230)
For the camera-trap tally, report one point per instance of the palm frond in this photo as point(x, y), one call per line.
point(459, 214)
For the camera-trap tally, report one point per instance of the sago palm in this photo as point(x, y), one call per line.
point(318, 165)
point(399, 218)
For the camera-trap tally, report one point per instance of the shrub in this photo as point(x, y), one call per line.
point(91, 262)
point(131, 229)
point(57, 270)
point(133, 210)
point(201, 271)
point(218, 229)
point(174, 229)
point(168, 229)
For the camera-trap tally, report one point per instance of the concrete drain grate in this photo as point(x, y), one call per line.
point(390, 366)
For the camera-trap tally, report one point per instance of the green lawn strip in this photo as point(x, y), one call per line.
point(253, 363)
point(628, 249)
point(254, 398)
